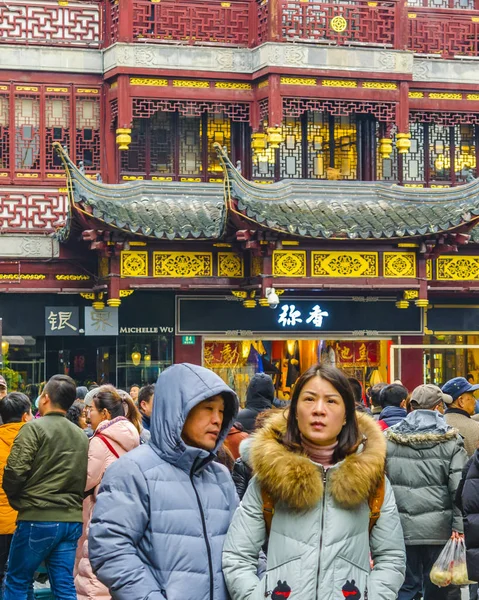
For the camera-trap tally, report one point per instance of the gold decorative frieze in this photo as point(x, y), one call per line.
point(88, 91)
point(298, 81)
point(149, 81)
point(182, 264)
point(230, 264)
point(429, 269)
point(339, 83)
point(344, 264)
point(416, 95)
point(126, 293)
point(380, 85)
point(26, 88)
point(263, 84)
point(410, 294)
point(472, 97)
point(289, 263)
point(134, 263)
point(183, 83)
point(444, 96)
point(25, 276)
point(256, 266)
point(231, 85)
point(399, 264)
point(72, 277)
point(338, 24)
point(57, 90)
point(457, 268)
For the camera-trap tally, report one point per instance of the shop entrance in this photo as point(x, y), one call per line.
point(237, 360)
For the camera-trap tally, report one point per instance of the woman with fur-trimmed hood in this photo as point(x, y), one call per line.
point(319, 463)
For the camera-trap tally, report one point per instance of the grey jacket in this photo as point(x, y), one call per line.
point(425, 458)
point(319, 543)
point(163, 509)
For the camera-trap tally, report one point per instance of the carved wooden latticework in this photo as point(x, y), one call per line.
point(383, 111)
point(144, 108)
point(339, 22)
point(51, 23)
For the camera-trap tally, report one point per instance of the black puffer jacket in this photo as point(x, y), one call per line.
point(242, 471)
point(467, 499)
point(259, 397)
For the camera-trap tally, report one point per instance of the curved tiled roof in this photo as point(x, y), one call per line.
point(347, 209)
point(169, 211)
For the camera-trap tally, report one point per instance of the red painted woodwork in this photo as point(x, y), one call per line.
point(191, 354)
point(146, 107)
point(48, 23)
point(295, 107)
point(30, 209)
point(447, 33)
point(411, 363)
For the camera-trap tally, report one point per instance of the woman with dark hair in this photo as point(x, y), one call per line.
point(320, 494)
point(115, 421)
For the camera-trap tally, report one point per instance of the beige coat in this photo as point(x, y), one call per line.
point(467, 427)
point(123, 436)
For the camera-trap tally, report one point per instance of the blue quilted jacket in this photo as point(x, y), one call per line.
point(163, 509)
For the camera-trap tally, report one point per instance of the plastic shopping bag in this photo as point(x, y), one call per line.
point(450, 567)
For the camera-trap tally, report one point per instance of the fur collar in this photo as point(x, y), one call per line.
point(292, 478)
point(425, 437)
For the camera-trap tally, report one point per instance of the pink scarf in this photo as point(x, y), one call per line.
point(322, 455)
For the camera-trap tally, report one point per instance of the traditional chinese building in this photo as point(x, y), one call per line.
point(348, 136)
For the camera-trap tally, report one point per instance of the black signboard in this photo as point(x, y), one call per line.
point(450, 318)
point(361, 316)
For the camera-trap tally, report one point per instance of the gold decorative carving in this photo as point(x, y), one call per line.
point(289, 263)
point(256, 266)
point(57, 90)
point(4, 88)
point(380, 85)
point(472, 97)
point(410, 294)
point(149, 81)
point(134, 263)
point(88, 91)
point(191, 179)
point(126, 293)
point(88, 295)
point(457, 268)
point(183, 83)
point(72, 277)
point(399, 264)
point(263, 84)
point(298, 81)
point(230, 85)
point(230, 264)
point(344, 264)
point(25, 276)
point(444, 96)
point(341, 83)
point(26, 175)
point(429, 269)
point(338, 24)
point(414, 185)
point(182, 264)
point(26, 88)
point(416, 94)
point(132, 177)
point(156, 178)
point(412, 15)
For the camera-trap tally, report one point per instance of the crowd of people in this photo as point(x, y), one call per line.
point(170, 491)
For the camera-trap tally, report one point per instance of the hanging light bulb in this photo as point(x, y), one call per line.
point(136, 357)
point(5, 347)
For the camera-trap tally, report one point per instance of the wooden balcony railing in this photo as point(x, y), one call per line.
point(452, 30)
point(51, 24)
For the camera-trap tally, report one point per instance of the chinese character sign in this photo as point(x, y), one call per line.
point(101, 322)
point(291, 316)
point(62, 320)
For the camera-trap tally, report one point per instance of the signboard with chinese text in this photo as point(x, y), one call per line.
point(360, 316)
point(101, 322)
point(62, 320)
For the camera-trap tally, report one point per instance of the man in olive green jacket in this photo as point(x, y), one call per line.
point(44, 480)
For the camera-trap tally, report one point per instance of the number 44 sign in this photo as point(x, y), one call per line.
point(290, 316)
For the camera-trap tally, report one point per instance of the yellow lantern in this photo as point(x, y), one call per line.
point(403, 142)
point(402, 304)
point(136, 358)
point(5, 347)
point(123, 138)
point(385, 147)
point(275, 137)
point(258, 141)
point(147, 360)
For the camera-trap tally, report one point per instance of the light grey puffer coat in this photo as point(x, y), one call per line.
point(425, 458)
point(319, 543)
point(163, 509)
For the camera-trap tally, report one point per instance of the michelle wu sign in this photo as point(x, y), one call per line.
point(353, 315)
point(62, 320)
point(101, 322)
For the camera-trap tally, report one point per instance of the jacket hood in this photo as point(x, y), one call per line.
point(393, 413)
point(245, 451)
point(121, 431)
point(179, 389)
point(422, 429)
point(260, 392)
point(294, 479)
point(8, 433)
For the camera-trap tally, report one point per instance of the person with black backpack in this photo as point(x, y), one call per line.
point(321, 496)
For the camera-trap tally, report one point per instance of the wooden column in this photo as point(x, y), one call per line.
point(401, 26)
point(275, 21)
point(125, 114)
point(275, 115)
point(192, 354)
point(125, 25)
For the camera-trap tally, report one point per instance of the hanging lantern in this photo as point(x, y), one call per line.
point(258, 142)
point(136, 357)
point(123, 138)
point(422, 303)
point(403, 142)
point(98, 305)
point(5, 347)
point(147, 360)
point(113, 302)
point(275, 137)
point(385, 147)
point(402, 304)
